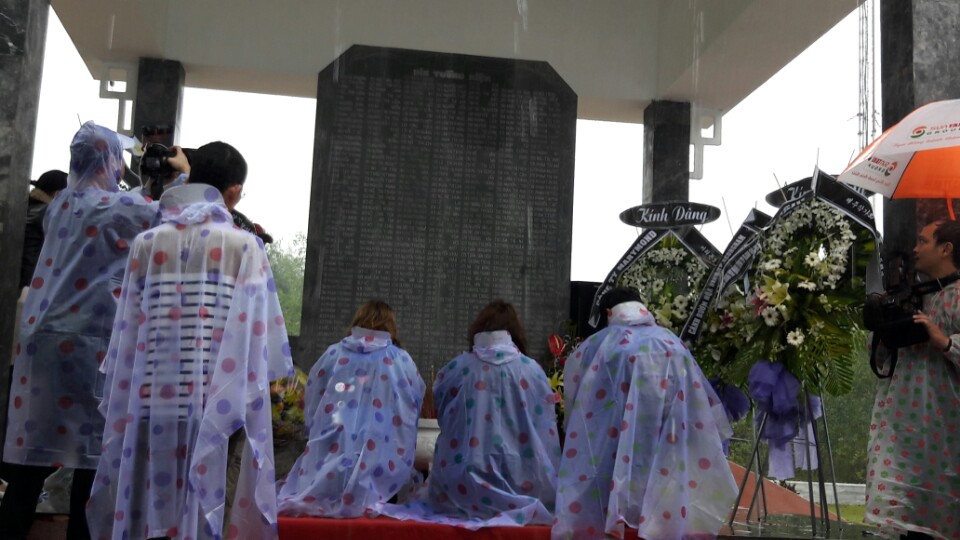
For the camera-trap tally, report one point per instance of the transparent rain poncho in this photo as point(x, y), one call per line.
point(363, 401)
point(644, 436)
point(197, 339)
point(68, 313)
point(913, 459)
point(497, 454)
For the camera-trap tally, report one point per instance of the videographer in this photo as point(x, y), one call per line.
point(913, 467)
point(161, 167)
point(172, 168)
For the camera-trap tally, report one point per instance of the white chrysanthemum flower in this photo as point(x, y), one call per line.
point(771, 317)
point(772, 264)
point(812, 259)
point(795, 338)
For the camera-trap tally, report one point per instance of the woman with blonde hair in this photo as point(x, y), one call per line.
point(363, 399)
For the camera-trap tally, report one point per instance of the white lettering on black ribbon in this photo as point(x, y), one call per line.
point(641, 245)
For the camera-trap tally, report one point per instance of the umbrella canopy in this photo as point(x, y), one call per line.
point(917, 158)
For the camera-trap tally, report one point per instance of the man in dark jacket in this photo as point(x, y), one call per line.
point(44, 190)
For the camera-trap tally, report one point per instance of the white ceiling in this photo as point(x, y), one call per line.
point(617, 55)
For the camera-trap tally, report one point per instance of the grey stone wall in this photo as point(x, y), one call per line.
point(23, 29)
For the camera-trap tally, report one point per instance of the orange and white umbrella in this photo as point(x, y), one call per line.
point(919, 158)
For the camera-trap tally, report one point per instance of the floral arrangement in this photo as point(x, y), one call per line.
point(286, 400)
point(668, 278)
point(804, 309)
point(560, 348)
point(723, 335)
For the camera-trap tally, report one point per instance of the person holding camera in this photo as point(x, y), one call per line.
point(52, 419)
point(170, 167)
point(913, 467)
point(159, 172)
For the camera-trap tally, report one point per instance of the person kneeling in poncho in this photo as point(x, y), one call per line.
point(497, 453)
point(363, 398)
point(644, 434)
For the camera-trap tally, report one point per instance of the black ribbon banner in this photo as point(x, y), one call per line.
point(641, 245)
point(735, 260)
point(696, 243)
point(846, 200)
point(701, 248)
point(745, 245)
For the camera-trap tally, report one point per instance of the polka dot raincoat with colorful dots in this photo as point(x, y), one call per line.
point(644, 434)
point(68, 314)
point(496, 457)
point(913, 459)
point(363, 399)
point(197, 339)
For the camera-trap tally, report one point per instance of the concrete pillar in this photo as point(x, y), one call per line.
point(918, 65)
point(23, 31)
point(666, 152)
point(159, 101)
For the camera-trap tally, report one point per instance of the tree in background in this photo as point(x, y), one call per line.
point(287, 262)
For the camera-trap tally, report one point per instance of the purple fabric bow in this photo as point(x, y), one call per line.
point(735, 403)
point(774, 390)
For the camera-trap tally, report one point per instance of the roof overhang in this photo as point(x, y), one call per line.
point(617, 55)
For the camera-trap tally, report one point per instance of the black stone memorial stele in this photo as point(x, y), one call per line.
point(441, 182)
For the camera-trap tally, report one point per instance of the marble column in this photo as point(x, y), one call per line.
point(159, 101)
point(666, 151)
point(918, 64)
point(23, 31)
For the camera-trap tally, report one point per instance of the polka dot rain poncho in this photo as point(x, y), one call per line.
point(497, 453)
point(197, 339)
point(913, 458)
point(68, 315)
point(363, 399)
point(644, 434)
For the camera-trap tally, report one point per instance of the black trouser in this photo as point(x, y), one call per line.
point(914, 535)
point(19, 506)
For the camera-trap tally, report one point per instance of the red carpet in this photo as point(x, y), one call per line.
point(779, 501)
point(390, 529)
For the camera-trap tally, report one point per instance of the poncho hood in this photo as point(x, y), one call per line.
point(631, 314)
point(364, 340)
point(193, 203)
point(495, 347)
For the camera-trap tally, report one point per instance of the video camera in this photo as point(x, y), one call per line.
point(155, 168)
point(890, 314)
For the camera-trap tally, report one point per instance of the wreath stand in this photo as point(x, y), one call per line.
point(823, 521)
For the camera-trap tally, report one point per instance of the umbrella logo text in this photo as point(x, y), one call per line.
point(882, 166)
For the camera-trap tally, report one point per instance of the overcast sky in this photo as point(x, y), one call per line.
point(806, 114)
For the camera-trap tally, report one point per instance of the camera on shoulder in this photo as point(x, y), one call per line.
point(153, 162)
point(155, 168)
point(890, 314)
